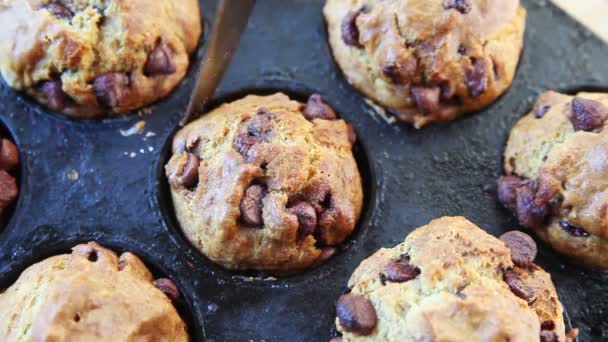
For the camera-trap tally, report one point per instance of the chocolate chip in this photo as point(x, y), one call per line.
point(251, 205)
point(111, 88)
point(477, 82)
point(259, 128)
point(8, 189)
point(59, 11)
point(531, 213)
point(519, 195)
point(316, 108)
point(188, 177)
point(356, 314)
point(517, 286)
point(573, 229)
point(523, 248)
point(426, 98)
point(9, 156)
point(507, 190)
point(167, 286)
point(462, 6)
point(541, 110)
point(307, 218)
point(350, 31)
point(462, 49)
point(588, 115)
point(159, 61)
point(53, 92)
point(547, 325)
point(548, 336)
point(244, 142)
point(261, 124)
point(399, 271)
point(401, 72)
point(318, 194)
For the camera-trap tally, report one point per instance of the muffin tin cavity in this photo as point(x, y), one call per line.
point(301, 94)
point(49, 244)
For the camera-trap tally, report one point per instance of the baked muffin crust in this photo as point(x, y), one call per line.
point(556, 174)
point(427, 60)
point(88, 295)
point(266, 183)
point(450, 281)
point(90, 58)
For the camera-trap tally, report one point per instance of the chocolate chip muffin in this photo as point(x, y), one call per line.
point(266, 183)
point(89, 295)
point(451, 281)
point(90, 58)
point(9, 189)
point(427, 60)
point(556, 174)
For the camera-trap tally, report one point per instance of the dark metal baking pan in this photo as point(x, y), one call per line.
point(120, 196)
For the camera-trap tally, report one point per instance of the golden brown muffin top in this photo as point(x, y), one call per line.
point(88, 295)
point(92, 57)
point(451, 281)
point(428, 60)
point(266, 182)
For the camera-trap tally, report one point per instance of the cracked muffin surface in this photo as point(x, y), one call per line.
point(88, 295)
point(451, 281)
point(266, 183)
point(427, 60)
point(556, 174)
point(91, 58)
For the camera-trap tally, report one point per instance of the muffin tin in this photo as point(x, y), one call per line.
point(90, 180)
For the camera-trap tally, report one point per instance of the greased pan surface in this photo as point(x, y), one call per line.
point(120, 199)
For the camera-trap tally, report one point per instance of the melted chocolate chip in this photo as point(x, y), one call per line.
point(399, 271)
point(59, 11)
point(307, 218)
point(400, 72)
point(462, 49)
point(462, 6)
point(111, 88)
point(477, 82)
point(573, 229)
point(259, 128)
point(547, 325)
point(507, 190)
point(350, 31)
point(9, 156)
point(244, 142)
point(426, 98)
point(519, 195)
point(530, 212)
point(588, 115)
point(159, 61)
point(523, 248)
point(356, 314)
point(188, 177)
point(517, 286)
point(316, 108)
point(53, 92)
point(251, 205)
point(167, 286)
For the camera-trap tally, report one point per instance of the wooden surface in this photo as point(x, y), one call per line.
point(591, 13)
